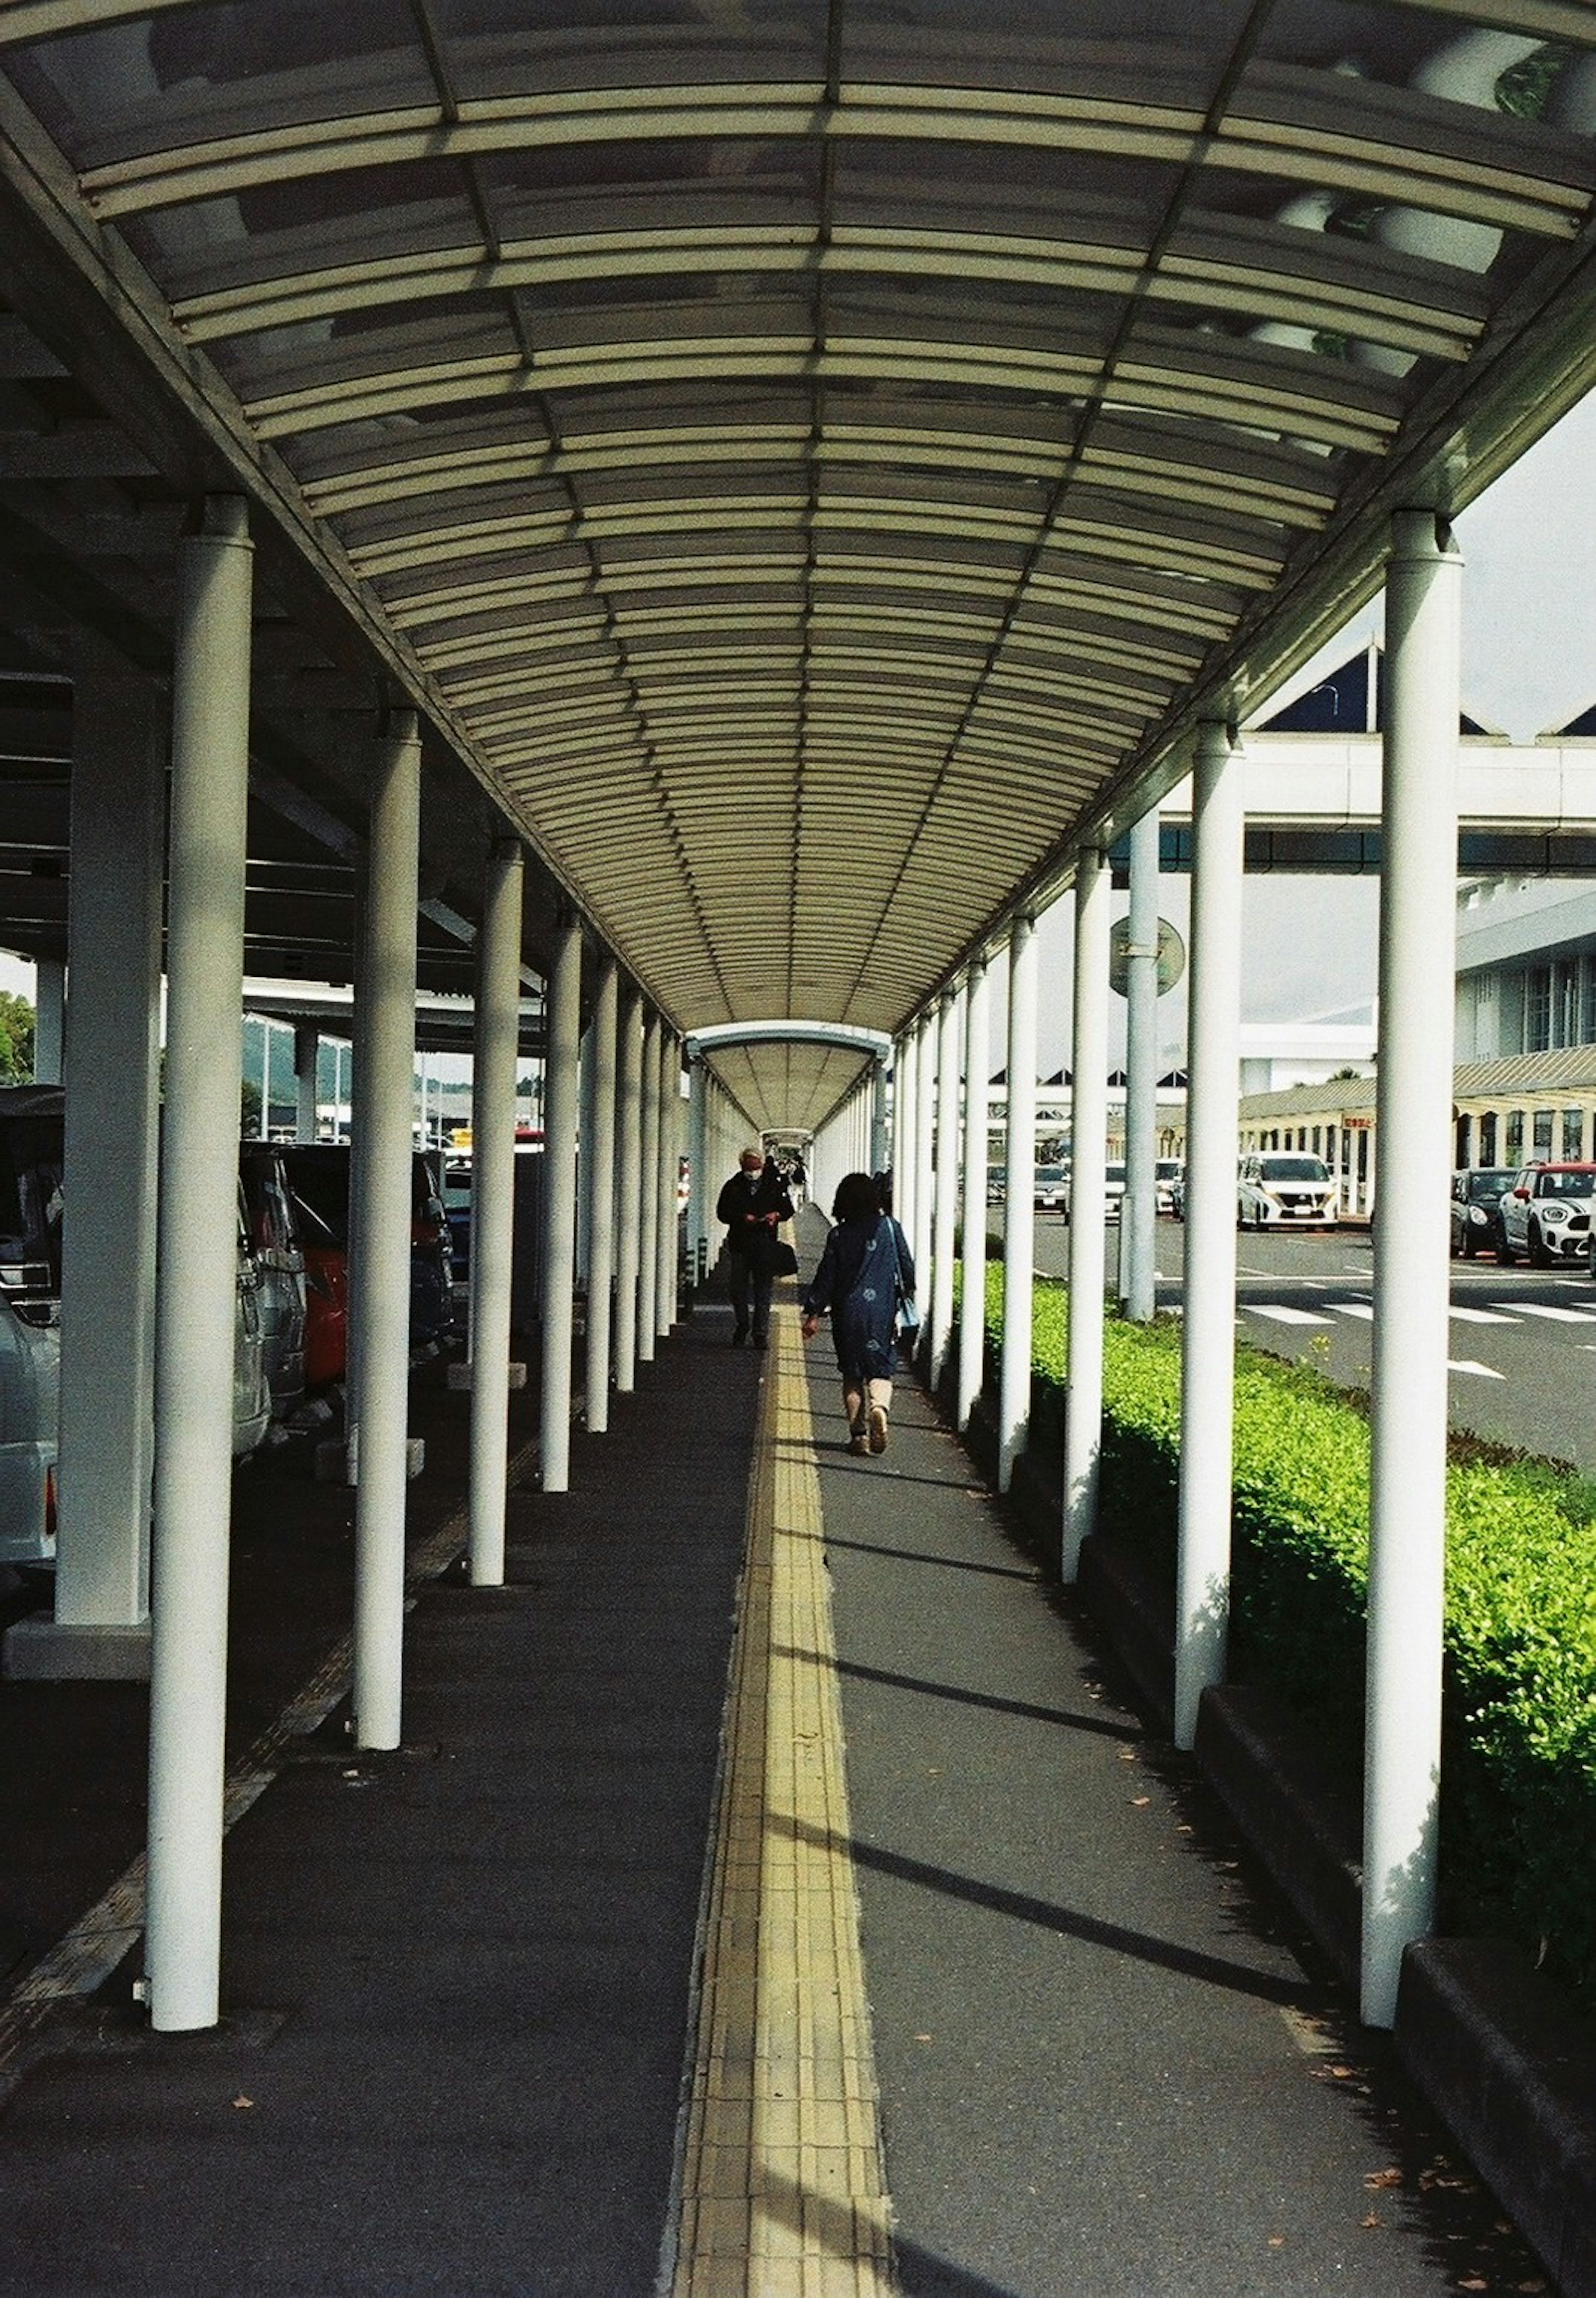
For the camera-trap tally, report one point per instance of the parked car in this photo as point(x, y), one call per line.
point(1050, 1192)
point(456, 1208)
point(1113, 1193)
point(32, 1124)
point(1544, 1215)
point(318, 1176)
point(1476, 1194)
point(251, 1385)
point(1169, 1175)
point(280, 1262)
point(1277, 1191)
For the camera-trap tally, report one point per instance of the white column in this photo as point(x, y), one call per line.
point(559, 1204)
point(1019, 1213)
point(698, 1171)
point(878, 1137)
point(647, 1271)
point(1208, 1346)
point(198, 1268)
point(108, 1245)
point(925, 1135)
point(670, 1156)
point(628, 1190)
point(379, 1306)
point(600, 1185)
point(1413, 1151)
point(497, 1046)
point(973, 1305)
point(1083, 1405)
point(905, 1106)
point(50, 994)
point(950, 1033)
point(1138, 1215)
point(307, 1062)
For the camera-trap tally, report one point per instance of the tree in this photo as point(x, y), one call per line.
point(16, 1038)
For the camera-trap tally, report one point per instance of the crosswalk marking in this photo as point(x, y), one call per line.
point(1544, 1309)
point(1481, 1316)
point(1364, 1308)
point(1464, 1364)
point(1284, 1315)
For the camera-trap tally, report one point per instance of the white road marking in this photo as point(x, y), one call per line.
point(1481, 1316)
point(1553, 1316)
point(1281, 1316)
point(1244, 1270)
point(1484, 1372)
point(1364, 1308)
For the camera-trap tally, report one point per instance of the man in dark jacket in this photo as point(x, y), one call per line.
point(753, 1206)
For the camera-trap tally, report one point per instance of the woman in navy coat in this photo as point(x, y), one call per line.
point(865, 1267)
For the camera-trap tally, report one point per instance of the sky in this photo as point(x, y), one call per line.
point(1529, 664)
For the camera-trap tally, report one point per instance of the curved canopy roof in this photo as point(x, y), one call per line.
point(814, 459)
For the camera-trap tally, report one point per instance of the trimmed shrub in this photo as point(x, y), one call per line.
point(1519, 1802)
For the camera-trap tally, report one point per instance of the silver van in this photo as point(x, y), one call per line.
point(32, 1123)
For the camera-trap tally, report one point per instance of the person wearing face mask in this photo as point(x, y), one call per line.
point(753, 1206)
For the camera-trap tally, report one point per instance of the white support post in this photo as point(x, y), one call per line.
point(198, 1270)
point(50, 1004)
point(648, 1268)
point(493, 1203)
point(1083, 1406)
point(925, 1134)
point(1413, 1152)
point(600, 1185)
point(101, 1624)
point(560, 1181)
point(628, 1190)
point(307, 1063)
point(879, 1134)
point(972, 1304)
point(950, 1033)
point(1139, 1214)
point(379, 1306)
point(698, 1170)
point(665, 1219)
point(1208, 1342)
point(905, 1103)
point(1019, 1211)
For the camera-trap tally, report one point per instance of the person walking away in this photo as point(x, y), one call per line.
point(865, 1268)
point(753, 1206)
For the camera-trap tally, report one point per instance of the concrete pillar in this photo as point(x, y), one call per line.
point(906, 1107)
point(1019, 1214)
point(1083, 1406)
point(198, 1268)
point(560, 1205)
point(697, 1172)
point(380, 1305)
point(1413, 1150)
point(925, 1140)
point(600, 1188)
point(667, 1221)
point(108, 1244)
point(306, 1062)
point(50, 977)
point(973, 1305)
point(648, 1272)
point(879, 1134)
point(629, 1191)
point(1138, 1215)
point(1208, 1349)
point(950, 1033)
point(497, 1047)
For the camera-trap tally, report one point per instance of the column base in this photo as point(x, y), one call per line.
point(334, 1465)
point(459, 1377)
point(54, 1651)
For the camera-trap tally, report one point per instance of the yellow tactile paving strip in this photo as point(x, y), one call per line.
point(783, 2188)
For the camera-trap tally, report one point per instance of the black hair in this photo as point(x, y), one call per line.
point(857, 1198)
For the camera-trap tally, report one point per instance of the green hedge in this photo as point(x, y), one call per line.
point(1518, 1780)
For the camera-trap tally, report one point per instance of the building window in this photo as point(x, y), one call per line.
point(1465, 1139)
point(1543, 1118)
point(1537, 1009)
point(1514, 1136)
point(1566, 978)
point(1587, 1001)
point(1488, 1137)
point(1574, 1136)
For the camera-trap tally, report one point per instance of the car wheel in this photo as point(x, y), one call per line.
point(1539, 1258)
point(1470, 1247)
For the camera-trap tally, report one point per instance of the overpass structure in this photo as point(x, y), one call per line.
point(730, 509)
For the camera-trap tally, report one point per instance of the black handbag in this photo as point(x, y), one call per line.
point(783, 1259)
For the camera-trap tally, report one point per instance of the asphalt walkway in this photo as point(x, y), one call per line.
point(939, 1864)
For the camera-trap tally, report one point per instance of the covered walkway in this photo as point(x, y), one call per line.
point(953, 1868)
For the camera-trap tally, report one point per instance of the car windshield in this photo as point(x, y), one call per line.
point(1293, 1169)
point(1488, 1185)
point(1115, 1173)
point(1565, 1185)
point(1050, 1173)
point(30, 1195)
